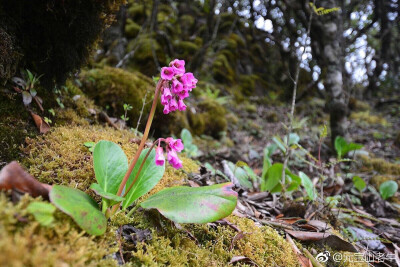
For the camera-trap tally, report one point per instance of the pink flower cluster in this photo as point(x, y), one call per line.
point(172, 146)
point(176, 86)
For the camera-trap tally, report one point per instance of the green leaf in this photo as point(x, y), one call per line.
point(278, 141)
point(90, 145)
point(33, 92)
point(150, 175)
point(186, 136)
point(272, 178)
point(342, 147)
point(42, 211)
point(293, 180)
point(183, 204)
point(359, 183)
point(388, 189)
point(111, 198)
point(267, 162)
point(110, 165)
point(308, 185)
point(81, 207)
point(241, 175)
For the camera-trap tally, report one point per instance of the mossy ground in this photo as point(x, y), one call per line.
point(23, 242)
point(60, 157)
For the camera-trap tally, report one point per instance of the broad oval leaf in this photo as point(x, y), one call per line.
point(150, 175)
point(308, 185)
point(81, 207)
point(111, 198)
point(186, 137)
point(388, 189)
point(110, 165)
point(272, 178)
point(359, 183)
point(42, 211)
point(204, 204)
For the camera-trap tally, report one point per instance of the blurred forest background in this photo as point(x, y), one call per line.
point(291, 83)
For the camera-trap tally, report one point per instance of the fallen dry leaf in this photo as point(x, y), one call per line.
point(304, 261)
point(328, 239)
point(14, 177)
point(40, 123)
point(242, 259)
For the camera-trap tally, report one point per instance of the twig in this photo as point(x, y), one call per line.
point(314, 262)
point(295, 84)
point(107, 119)
point(141, 111)
point(120, 245)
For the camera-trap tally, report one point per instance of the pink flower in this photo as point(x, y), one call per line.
point(176, 86)
point(167, 73)
point(164, 100)
point(183, 94)
point(173, 105)
point(175, 144)
point(160, 159)
point(167, 93)
point(178, 66)
point(166, 109)
point(173, 159)
point(181, 105)
point(189, 80)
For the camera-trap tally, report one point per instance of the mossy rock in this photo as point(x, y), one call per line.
point(131, 28)
point(214, 117)
point(380, 165)
point(365, 117)
point(146, 47)
point(23, 242)
point(15, 125)
point(9, 55)
point(114, 87)
point(186, 49)
point(51, 51)
point(247, 84)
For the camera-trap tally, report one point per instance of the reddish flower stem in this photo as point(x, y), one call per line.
point(142, 143)
point(140, 169)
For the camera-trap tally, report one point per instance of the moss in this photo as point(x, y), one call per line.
point(23, 242)
point(222, 69)
point(9, 55)
point(367, 118)
point(380, 165)
point(114, 87)
point(52, 51)
point(247, 84)
point(131, 28)
point(186, 49)
point(214, 116)
point(15, 125)
point(60, 157)
point(358, 105)
point(212, 246)
point(377, 180)
point(146, 48)
point(197, 123)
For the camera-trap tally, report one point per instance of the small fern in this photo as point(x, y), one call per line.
point(320, 11)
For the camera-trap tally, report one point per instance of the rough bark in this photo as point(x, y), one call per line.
point(326, 36)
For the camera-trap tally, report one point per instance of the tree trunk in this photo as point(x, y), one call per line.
point(326, 35)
